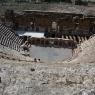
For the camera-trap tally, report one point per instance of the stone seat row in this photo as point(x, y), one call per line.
point(9, 39)
point(6, 32)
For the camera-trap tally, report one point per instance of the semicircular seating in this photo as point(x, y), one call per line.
point(9, 39)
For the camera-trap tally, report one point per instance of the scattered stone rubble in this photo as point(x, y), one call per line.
point(17, 78)
point(87, 53)
point(76, 77)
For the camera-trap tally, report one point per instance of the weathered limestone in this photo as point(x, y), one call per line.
point(76, 77)
point(46, 78)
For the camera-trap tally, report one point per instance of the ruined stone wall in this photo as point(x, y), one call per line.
point(64, 21)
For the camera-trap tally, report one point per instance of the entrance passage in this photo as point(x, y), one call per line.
point(50, 54)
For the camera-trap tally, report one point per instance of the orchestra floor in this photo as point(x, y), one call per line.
point(50, 54)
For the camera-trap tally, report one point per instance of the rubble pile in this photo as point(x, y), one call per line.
point(76, 77)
